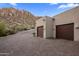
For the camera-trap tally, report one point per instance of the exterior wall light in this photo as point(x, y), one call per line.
point(77, 26)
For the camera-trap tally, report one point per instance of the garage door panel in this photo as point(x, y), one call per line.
point(65, 31)
point(40, 31)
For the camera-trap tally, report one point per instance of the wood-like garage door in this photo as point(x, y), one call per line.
point(40, 31)
point(65, 31)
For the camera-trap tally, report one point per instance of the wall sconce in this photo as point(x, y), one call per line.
point(77, 26)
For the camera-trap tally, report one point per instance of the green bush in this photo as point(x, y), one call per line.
point(20, 27)
point(2, 29)
point(6, 30)
point(10, 31)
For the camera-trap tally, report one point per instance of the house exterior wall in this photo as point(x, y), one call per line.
point(70, 16)
point(40, 22)
point(76, 18)
point(47, 23)
point(49, 27)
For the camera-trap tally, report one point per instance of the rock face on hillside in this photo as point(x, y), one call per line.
point(14, 17)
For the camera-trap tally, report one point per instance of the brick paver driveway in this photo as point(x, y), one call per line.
point(24, 44)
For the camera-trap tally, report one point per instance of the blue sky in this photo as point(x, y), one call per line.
point(41, 9)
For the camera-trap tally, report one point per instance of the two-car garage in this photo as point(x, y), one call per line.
point(65, 31)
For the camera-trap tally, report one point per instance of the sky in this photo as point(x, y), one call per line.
point(41, 9)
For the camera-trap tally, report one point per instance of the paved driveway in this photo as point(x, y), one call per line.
point(24, 44)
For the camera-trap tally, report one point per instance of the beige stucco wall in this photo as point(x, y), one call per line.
point(47, 22)
point(41, 22)
point(70, 16)
point(76, 18)
point(49, 27)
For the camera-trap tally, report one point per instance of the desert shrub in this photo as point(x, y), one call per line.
point(28, 26)
point(32, 27)
point(11, 31)
point(6, 29)
point(19, 28)
point(25, 29)
point(2, 29)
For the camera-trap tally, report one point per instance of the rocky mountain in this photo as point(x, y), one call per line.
point(13, 17)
